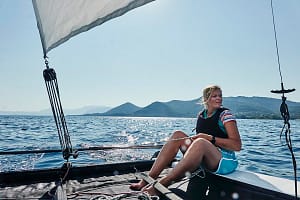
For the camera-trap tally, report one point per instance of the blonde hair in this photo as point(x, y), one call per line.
point(207, 91)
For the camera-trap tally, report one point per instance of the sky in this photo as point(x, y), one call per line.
point(162, 51)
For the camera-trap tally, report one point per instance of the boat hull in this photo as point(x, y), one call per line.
point(115, 178)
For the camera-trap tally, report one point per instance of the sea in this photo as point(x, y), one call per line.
point(264, 149)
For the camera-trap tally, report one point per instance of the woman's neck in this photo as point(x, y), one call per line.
point(210, 112)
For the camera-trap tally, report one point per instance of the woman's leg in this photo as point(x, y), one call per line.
point(166, 155)
point(201, 151)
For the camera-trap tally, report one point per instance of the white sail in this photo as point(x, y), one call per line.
point(59, 20)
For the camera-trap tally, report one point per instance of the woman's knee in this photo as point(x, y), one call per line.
point(178, 134)
point(181, 139)
point(200, 143)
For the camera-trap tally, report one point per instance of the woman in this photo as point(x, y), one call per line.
point(213, 146)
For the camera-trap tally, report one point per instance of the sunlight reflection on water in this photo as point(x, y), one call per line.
point(262, 150)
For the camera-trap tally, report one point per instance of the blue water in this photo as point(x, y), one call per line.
point(262, 151)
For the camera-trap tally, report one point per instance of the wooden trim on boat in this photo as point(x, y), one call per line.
point(162, 189)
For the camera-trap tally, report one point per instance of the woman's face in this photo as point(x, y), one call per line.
point(215, 100)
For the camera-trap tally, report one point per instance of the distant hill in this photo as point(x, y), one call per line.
point(242, 107)
point(156, 109)
point(79, 111)
point(260, 107)
point(186, 108)
point(122, 110)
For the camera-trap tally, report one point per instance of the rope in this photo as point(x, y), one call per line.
point(114, 196)
point(287, 133)
point(67, 165)
point(182, 138)
point(284, 108)
point(54, 97)
point(276, 41)
point(95, 148)
point(199, 173)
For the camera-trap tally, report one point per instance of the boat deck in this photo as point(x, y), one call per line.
point(112, 181)
point(103, 187)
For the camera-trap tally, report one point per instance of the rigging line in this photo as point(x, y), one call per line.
point(95, 148)
point(57, 110)
point(284, 108)
point(276, 42)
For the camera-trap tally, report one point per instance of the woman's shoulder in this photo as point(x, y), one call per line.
point(202, 113)
point(226, 115)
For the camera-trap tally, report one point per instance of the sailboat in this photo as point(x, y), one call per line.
point(111, 181)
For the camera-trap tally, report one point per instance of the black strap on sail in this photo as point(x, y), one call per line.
point(284, 108)
point(57, 110)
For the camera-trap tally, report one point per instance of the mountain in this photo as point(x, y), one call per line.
point(242, 107)
point(125, 109)
point(186, 108)
point(156, 109)
point(259, 107)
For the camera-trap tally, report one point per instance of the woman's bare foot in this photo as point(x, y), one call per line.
point(138, 186)
point(150, 190)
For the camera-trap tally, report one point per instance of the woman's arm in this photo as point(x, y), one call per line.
point(233, 142)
